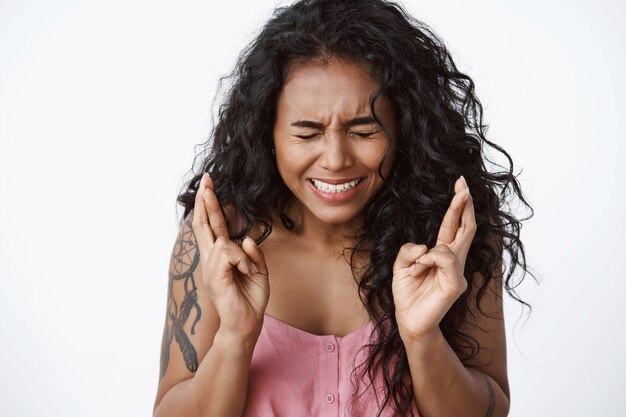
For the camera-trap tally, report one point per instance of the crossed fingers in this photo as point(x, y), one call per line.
point(458, 227)
point(208, 221)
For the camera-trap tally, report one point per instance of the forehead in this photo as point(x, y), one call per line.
point(328, 68)
point(335, 85)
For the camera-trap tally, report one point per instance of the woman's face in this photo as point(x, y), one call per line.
point(328, 145)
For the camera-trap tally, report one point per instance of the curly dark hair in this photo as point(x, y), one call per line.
point(440, 136)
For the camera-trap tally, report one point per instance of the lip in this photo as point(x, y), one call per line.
point(335, 181)
point(337, 197)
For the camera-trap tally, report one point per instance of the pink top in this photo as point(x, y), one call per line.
point(295, 373)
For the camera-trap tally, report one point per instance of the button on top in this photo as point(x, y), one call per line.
point(330, 398)
point(330, 347)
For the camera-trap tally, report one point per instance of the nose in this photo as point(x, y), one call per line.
point(337, 154)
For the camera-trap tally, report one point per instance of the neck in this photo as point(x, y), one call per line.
point(321, 237)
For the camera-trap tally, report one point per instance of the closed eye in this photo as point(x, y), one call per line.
point(311, 136)
point(361, 134)
point(366, 134)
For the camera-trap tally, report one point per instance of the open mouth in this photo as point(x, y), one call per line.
point(334, 188)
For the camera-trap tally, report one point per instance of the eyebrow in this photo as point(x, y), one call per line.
point(352, 122)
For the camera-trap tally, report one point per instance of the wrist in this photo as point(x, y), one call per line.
point(235, 343)
point(423, 341)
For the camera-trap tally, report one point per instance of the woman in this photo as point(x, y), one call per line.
point(338, 178)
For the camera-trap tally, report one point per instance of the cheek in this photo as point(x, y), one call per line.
point(292, 160)
point(372, 155)
point(389, 162)
point(375, 158)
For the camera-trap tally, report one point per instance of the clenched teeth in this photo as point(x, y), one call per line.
point(334, 188)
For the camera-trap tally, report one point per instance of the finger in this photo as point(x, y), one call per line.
point(460, 184)
point(418, 268)
point(256, 255)
point(200, 223)
point(213, 209)
point(228, 255)
point(466, 232)
point(450, 222)
point(424, 262)
point(445, 261)
point(407, 255)
point(440, 256)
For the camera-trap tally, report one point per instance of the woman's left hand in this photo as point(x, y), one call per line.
point(427, 282)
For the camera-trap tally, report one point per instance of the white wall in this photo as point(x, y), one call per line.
point(102, 102)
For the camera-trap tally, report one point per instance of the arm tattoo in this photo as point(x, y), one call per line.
point(492, 398)
point(185, 258)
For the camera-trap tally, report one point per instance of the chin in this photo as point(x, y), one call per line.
point(336, 216)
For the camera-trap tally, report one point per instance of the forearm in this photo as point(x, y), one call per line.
point(444, 387)
point(219, 386)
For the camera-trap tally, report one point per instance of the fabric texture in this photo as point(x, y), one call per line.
point(295, 373)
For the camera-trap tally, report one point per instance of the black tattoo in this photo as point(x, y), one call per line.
point(492, 398)
point(185, 259)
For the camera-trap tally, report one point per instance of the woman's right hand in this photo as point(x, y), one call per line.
point(236, 277)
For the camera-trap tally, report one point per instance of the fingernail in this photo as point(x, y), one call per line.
point(463, 181)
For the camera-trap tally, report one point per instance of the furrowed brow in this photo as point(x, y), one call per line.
point(308, 123)
point(368, 120)
point(361, 121)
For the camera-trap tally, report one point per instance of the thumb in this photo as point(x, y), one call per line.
point(407, 255)
point(255, 254)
